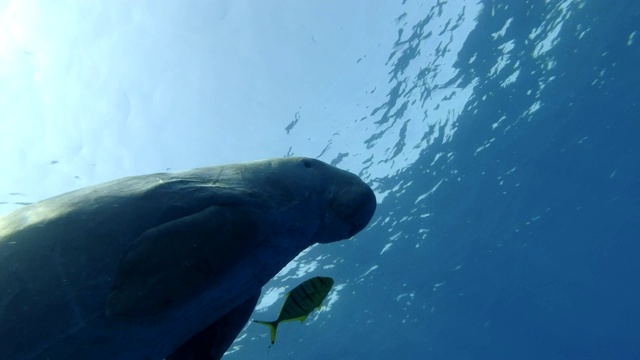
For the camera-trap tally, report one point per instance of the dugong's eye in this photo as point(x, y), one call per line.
point(306, 163)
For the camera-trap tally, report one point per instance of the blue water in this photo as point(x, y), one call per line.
point(526, 246)
point(501, 138)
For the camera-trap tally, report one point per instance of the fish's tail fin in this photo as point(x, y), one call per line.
point(273, 326)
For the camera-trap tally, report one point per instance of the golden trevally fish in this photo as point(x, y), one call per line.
point(300, 301)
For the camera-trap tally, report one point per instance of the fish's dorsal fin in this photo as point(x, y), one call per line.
point(299, 318)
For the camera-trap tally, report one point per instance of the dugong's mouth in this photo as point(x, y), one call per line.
point(355, 206)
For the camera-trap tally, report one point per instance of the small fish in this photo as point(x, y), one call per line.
point(300, 301)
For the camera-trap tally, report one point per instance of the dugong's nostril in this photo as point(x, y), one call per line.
point(307, 163)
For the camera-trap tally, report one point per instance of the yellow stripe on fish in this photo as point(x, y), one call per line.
point(300, 301)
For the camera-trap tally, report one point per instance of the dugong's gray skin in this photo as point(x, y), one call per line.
point(163, 265)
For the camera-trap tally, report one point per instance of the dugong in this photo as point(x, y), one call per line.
point(163, 265)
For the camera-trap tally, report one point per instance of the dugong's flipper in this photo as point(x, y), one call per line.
point(212, 342)
point(173, 261)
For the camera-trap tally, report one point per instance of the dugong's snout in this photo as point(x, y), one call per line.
point(354, 205)
point(342, 204)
